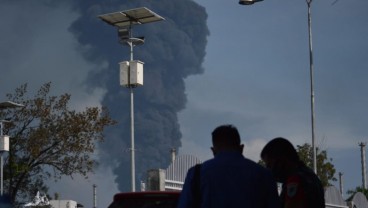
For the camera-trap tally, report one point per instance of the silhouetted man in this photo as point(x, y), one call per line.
point(229, 179)
point(301, 187)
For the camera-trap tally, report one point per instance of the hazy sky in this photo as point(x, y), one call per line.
point(256, 77)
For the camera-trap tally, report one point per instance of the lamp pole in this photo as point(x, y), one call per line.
point(132, 145)
point(309, 2)
point(4, 139)
point(131, 72)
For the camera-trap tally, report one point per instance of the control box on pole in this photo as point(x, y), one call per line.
point(131, 73)
point(4, 143)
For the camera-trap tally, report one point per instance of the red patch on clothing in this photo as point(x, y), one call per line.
point(294, 191)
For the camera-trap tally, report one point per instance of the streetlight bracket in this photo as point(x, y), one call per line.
point(9, 104)
point(248, 2)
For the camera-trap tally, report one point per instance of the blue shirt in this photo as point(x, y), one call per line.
point(231, 180)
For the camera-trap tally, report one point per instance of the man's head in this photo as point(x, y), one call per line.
point(281, 157)
point(226, 138)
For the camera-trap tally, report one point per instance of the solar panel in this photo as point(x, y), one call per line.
point(131, 17)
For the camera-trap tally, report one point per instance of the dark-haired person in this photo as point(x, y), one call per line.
point(229, 180)
point(301, 187)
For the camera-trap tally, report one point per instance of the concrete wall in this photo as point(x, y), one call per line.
point(63, 204)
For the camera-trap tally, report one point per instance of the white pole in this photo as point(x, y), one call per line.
point(173, 154)
point(1, 163)
point(341, 184)
point(311, 84)
point(94, 196)
point(364, 171)
point(132, 149)
point(132, 139)
point(1, 173)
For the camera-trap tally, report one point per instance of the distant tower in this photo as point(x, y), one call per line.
point(143, 186)
point(94, 196)
point(364, 171)
point(341, 184)
point(173, 154)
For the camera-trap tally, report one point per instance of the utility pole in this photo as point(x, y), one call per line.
point(131, 72)
point(173, 154)
point(364, 170)
point(94, 196)
point(341, 184)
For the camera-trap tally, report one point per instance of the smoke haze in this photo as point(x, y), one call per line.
point(257, 77)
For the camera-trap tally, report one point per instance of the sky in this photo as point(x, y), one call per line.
point(256, 76)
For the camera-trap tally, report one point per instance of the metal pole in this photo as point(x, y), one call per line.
point(364, 171)
point(94, 196)
point(1, 154)
point(132, 138)
point(173, 154)
point(311, 84)
point(341, 184)
point(132, 150)
point(1, 173)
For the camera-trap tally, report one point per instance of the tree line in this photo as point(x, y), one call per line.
point(48, 140)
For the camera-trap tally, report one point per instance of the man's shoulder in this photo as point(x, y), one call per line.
point(237, 160)
point(257, 166)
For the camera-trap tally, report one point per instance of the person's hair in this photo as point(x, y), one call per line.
point(226, 136)
point(280, 147)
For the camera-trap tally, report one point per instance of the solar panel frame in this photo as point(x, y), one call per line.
point(130, 17)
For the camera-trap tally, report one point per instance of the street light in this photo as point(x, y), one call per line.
point(309, 2)
point(131, 72)
point(248, 2)
point(4, 139)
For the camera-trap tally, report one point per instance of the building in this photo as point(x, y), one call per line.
point(63, 204)
point(171, 179)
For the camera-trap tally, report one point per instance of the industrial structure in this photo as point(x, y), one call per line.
point(172, 178)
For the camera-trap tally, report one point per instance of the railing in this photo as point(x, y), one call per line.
point(337, 206)
point(173, 185)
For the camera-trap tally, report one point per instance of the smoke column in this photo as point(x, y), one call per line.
point(173, 50)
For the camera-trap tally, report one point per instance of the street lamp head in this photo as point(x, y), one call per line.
point(248, 2)
point(9, 104)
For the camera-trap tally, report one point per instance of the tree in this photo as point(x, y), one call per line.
point(49, 140)
point(325, 169)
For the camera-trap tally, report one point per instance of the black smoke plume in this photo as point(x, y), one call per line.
point(174, 49)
